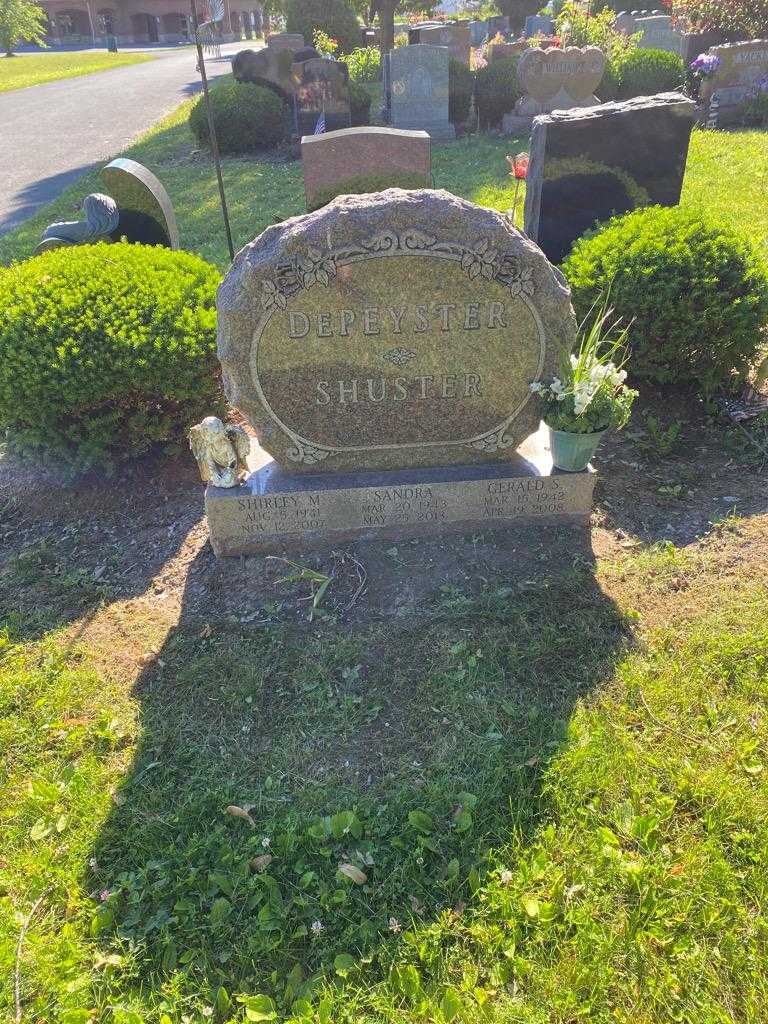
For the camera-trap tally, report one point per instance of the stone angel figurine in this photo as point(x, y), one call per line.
point(221, 451)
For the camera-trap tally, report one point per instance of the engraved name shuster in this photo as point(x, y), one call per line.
point(395, 346)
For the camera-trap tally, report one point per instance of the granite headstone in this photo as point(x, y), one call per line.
point(587, 165)
point(555, 79)
point(657, 33)
point(417, 79)
point(290, 41)
point(455, 36)
point(539, 25)
point(392, 330)
point(145, 209)
point(366, 159)
point(741, 66)
point(321, 88)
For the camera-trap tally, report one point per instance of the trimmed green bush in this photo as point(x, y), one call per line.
point(360, 100)
point(646, 72)
point(461, 82)
point(333, 17)
point(364, 64)
point(106, 350)
point(695, 291)
point(247, 117)
point(496, 91)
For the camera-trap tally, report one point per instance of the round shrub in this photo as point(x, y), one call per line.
point(694, 290)
point(364, 64)
point(106, 350)
point(333, 17)
point(247, 117)
point(646, 72)
point(360, 100)
point(461, 83)
point(496, 91)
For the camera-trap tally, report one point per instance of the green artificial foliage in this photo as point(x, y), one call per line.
point(496, 91)
point(694, 290)
point(106, 350)
point(461, 82)
point(334, 17)
point(247, 117)
point(360, 100)
point(647, 72)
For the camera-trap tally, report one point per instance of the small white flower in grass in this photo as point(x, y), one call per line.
point(394, 925)
point(266, 841)
point(536, 386)
point(556, 386)
point(317, 927)
point(561, 396)
point(104, 895)
point(506, 877)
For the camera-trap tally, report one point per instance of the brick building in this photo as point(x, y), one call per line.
point(72, 22)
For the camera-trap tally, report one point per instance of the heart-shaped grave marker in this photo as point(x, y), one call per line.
point(558, 78)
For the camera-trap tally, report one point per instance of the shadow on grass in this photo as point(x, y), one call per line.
point(409, 748)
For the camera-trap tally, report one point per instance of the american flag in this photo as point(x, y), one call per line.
point(320, 126)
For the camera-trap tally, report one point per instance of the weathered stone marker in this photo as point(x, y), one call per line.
point(383, 349)
point(554, 79)
point(416, 78)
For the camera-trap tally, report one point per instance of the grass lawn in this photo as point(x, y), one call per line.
point(727, 174)
point(33, 69)
point(544, 804)
point(528, 786)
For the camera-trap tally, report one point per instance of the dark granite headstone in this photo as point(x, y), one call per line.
point(539, 25)
point(590, 164)
point(146, 212)
point(268, 67)
point(498, 23)
point(321, 90)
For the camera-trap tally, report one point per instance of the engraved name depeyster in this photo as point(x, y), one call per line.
point(368, 322)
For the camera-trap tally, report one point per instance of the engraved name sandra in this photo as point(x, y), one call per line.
point(376, 320)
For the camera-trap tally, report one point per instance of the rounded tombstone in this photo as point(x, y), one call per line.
point(391, 330)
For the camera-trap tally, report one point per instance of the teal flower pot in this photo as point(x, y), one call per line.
point(573, 452)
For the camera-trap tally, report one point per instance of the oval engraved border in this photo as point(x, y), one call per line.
point(317, 268)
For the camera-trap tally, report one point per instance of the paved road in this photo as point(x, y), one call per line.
point(54, 133)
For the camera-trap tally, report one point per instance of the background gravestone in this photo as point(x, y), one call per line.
point(478, 32)
point(291, 41)
point(555, 79)
point(503, 51)
point(587, 165)
point(456, 37)
point(539, 25)
point(741, 65)
point(658, 34)
point(321, 87)
point(145, 209)
point(417, 80)
point(498, 23)
point(270, 68)
point(367, 159)
point(393, 330)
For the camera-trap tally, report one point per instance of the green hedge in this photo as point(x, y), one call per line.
point(694, 290)
point(647, 72)
point(496, 91)
point(360, 100)
point(461, 83)
point(333, 17)
point(106, 350)
point(247, 117)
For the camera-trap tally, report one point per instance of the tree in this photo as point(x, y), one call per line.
point(20, 19)
point(385, 10)
point(733, 17)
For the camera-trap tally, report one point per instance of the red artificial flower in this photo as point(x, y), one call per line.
point(519, 165)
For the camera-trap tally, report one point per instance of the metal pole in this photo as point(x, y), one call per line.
point(212, 130)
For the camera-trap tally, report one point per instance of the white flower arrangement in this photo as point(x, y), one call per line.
point(590, 395)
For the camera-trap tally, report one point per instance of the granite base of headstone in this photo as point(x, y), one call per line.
point(416, 80)
point(589, 165)
point(367, 159)
point(275, 510)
